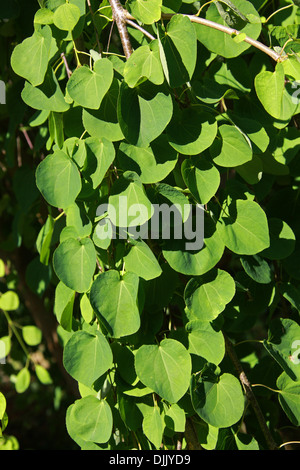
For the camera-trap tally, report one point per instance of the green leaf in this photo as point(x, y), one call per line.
point(191, 132)
point(289, 397)
point(290, 293)
point(143, 114)
point(30, 58)
point(77, 219)
point(220, 401)
point(100, 154)
point(43, 16)
point(58, 179)
point(245, 442)
point(144, 64)
point(146, 11)
point(90, 419)
point(174, 417)
point(104, 121)
point(9, 301)
point(74, 262)
point(5, 346)
point(178, 51)
point(282, 240)
point(87, 356)
point(32, 335)
point(45, 97)
point(152, 163)
point(283, 345)
point(56, 128)
point(142, 261)
point(2, 405)
point(153, 426)
point(205, 341)
point(88, 87)
point(195, 262)
point(44, 240)
point(273, 95)
point(86, 309)
point(257, 268)
point(232, 149)
point(2, 268)
point(223, 44)
point(128, 203)
point(243, 227)
point(167, 199)
point(211, 92)
point(114, 299)
point(43, 375)
point(66, 16)
point(207, 296)
point(63, 305)
point(22, 380)
point(201, 177)
point(165, 368)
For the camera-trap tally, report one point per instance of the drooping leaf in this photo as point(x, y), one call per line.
point(244, 228)
point(129, 205)
point(58, 179)
point(89, 419)
point(223, 44)
point(218, 401)
point(289, 397)
point(201, 177)
point(146, 11)
point(153, 426)
point(165, 368)
point(144, 114)
point(273, 95)
point(87, 356)
point(141, 260)
point(205, 341)
point(232, 149)
point(283, 345)
point(48, 96)
point(195, 261)
point(30, 58)
point(74, 262)
point(282, 240)
point(114, 299)
point(152, 163)
point(66, 16)
point(88, 87)
point(178, 51)
point(190, 132)
point(144, 64)
point(207, 296)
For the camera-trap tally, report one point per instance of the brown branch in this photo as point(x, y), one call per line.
point(119, 16)
point(250, 395)
point(225, 29)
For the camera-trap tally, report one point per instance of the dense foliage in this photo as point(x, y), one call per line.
point(114, 335)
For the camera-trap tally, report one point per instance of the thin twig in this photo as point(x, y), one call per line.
point(136, 26)
point(119, 15)
point(28, 140)
point(250, 395)
point(69, 73)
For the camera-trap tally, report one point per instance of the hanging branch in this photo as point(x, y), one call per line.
point(225, 29)
point(119, 16)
